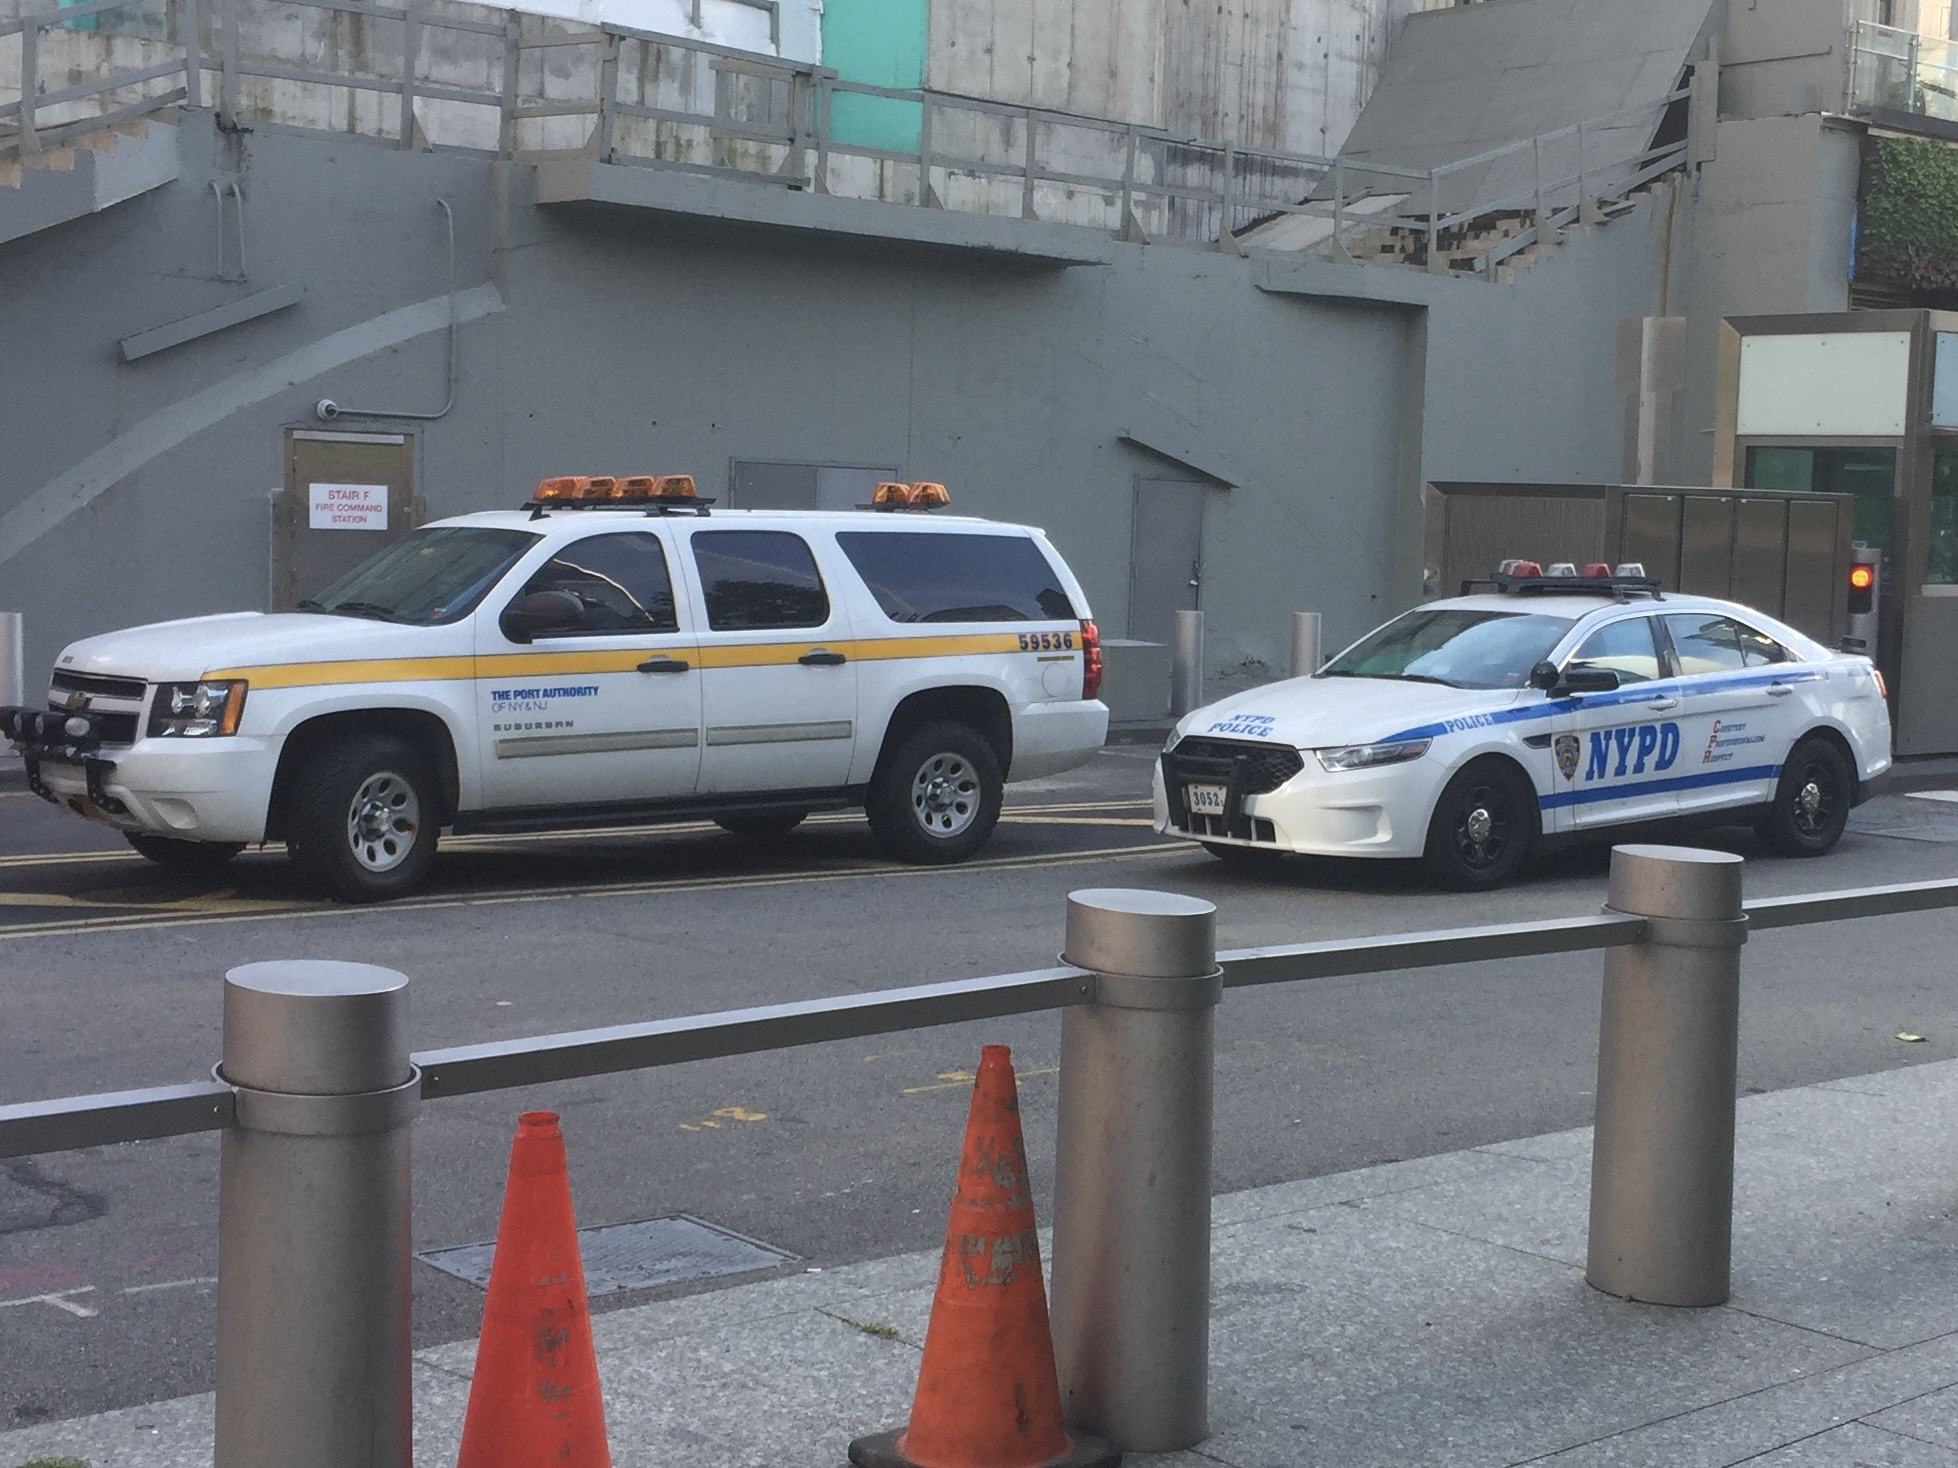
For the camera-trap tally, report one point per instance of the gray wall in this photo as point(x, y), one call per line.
point(619, 342)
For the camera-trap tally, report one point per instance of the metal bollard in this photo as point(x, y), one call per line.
point(1186, 665)
point(13, 658)
point(1662, 1166)
point(1131, 1311)
point(1306, 656)
point(313, 1219)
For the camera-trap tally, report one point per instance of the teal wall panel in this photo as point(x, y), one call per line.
point(881, 42)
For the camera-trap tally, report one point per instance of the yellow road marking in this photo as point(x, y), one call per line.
point(712, 1122)
point(851, 872)
point(952, 1079)
point(1010, 819)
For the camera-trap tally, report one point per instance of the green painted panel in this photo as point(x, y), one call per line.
point(882, 43)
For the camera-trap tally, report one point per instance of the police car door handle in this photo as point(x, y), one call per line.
point(821, 658)
point(1662, 704)
point(1779, 690)
point(663, 664)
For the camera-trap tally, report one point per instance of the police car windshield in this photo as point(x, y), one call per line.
point(435, 575)
point(1454, 646)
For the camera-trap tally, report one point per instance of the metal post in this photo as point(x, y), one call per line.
point(1131, 1312)
point(1128, 180)
point(313, 1218)
point(1306, 656)
point(30, 82)
point(1027, 210)
point(1662, 1167)
point(1225, 239)
point(1186, 665)
point(1339, 250)
point(926, 199)
point(506, 132)
point(823, 95)
point(1436, 265)
point(13, 658)
point(608, 98)
point(228, 80)
point(193, 38)
point(411, 45)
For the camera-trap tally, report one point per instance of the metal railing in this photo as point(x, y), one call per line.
point(1903, 70)
point(317, 1081)
point(472, 78)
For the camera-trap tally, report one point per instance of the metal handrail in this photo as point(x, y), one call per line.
point(67, 1123)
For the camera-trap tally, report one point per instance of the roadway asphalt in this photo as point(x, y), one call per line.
point(840, 1152)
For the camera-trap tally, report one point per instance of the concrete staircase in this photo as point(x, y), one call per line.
point(85, 175)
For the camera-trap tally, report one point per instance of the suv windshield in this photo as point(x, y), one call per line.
point(435, 575)
point(1455, 646)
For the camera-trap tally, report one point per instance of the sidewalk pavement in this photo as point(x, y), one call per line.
point(1424, 1312)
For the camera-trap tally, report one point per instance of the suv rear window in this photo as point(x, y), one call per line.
point(927, 577)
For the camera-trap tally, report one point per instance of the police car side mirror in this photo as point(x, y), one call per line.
point(1544, 676)
point(1587, 680)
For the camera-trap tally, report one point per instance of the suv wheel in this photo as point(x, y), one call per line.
point(363, 819)
point(184, 856)
point(1811, 801)
point(762, 825)
point(936, 795)
point(1483, 827)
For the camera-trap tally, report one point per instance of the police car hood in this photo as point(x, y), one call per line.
point(1320, 713)
point(182, 651)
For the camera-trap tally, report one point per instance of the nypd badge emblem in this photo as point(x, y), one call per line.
point(1567, 751)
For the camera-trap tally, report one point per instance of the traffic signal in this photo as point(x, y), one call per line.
point(1862, 588)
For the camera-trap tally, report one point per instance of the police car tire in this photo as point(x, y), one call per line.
point(184, 856)
point(763, 825)
point(1791, 829)
point(322, 799)
point(1446, 861)
point(899, 828)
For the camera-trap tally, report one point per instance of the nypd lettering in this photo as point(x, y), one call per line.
point(1255, 726)
point(1614, 754)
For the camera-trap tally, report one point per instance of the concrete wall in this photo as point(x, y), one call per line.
point(625, 342)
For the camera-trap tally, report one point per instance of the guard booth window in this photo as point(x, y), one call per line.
point(1941, 550)
point(1870, 474)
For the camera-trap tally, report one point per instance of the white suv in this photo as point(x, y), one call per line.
point(614, 652)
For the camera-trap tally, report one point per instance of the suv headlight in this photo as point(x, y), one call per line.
point(197, 710)
point(1368, 756)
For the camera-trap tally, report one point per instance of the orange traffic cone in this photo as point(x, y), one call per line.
point(988, 1393)
point(534, 1398)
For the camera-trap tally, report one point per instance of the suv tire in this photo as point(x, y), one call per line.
point(936, 795)
point(184, 856)
point(1811, 800)
point(767, 825)
point(363, 819)
point(1483, 827)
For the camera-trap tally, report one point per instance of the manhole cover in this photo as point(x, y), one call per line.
point(635, 1256)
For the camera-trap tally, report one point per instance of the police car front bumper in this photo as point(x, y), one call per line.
point(1313, 811)
point(194, 790)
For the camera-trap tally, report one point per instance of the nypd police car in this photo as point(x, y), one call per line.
point(614, 652)
point(1472, 730)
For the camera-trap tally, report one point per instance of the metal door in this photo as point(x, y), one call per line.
point(1165, 555)
point(346, 496)
point(764, 484)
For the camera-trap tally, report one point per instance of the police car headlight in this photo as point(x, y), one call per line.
point(197, 710)
point(1367, 756)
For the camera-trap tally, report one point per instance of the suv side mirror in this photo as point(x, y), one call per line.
point(1544, 676)
point(1587, 680)
point(541, 611)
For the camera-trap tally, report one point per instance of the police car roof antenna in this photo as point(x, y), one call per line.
point(327, 410)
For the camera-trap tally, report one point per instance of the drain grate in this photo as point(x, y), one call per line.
point(635, 1256)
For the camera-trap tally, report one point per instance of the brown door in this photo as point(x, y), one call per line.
point(346, 496)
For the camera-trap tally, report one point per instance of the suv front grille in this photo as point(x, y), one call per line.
point(98, 685)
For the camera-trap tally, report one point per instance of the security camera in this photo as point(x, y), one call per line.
point(326, 410)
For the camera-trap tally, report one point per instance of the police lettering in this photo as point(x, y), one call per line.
point(1616, 753)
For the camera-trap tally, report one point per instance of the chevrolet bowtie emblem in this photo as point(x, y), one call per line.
point(75, 701)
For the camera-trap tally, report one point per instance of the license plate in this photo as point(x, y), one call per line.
point(1204, 800)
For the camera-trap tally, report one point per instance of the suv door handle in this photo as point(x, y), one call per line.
point(1779, 690)
point(664, 664)
point(822, 658)
point(1662, 704)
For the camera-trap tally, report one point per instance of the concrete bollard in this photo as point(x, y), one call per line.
point(1131, 1303)
point(313, 1219)
point(1186, 665)
point(1306, 654)
point(1662, 1166)
point(13, 659)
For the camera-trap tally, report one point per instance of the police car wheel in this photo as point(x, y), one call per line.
point(1483, 827)
point(1811, 801)
point(363, 819)
point(936, 795)
point(184, 856)
point(763, 825)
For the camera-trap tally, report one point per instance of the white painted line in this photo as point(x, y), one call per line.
point(1948, 797)
point(169, 1284)
point(59, 1300)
